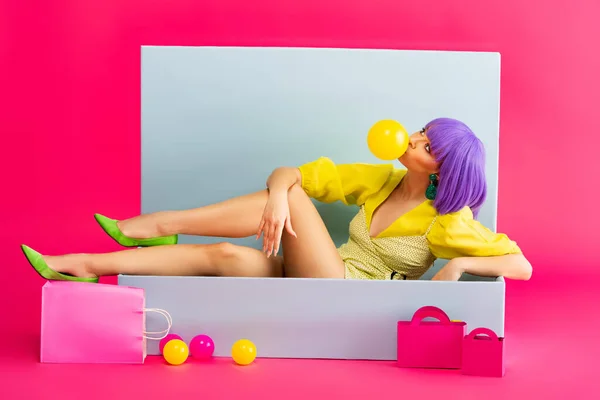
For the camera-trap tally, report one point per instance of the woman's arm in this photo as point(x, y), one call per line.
point(282, 179)
point(511, 266)
point(276, 215)
point(473, 248)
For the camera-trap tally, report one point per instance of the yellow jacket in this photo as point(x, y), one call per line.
point(452, 235)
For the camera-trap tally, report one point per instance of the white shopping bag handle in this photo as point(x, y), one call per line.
point(164, 332)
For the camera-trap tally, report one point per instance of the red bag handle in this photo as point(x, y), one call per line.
point(482, 331)
point(431, 312)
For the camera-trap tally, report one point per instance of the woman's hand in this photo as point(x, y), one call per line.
point(275, 216)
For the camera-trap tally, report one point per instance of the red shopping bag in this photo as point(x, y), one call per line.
point(483, 353)
point(430, 344)
point(94, 323)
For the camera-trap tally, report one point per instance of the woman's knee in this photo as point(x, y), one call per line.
point(296, 193)
point(230, 259)
point(221, 256)
point(223, 251)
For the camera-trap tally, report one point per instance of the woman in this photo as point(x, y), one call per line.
point(407, 218)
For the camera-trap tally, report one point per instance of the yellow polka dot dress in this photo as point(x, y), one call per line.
point(410, 245)
point(401, 257)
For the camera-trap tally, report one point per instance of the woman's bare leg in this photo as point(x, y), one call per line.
point(220, 259)
point(234, 218)
point(312, 254)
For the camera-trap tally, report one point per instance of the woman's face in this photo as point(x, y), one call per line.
point(418, 157)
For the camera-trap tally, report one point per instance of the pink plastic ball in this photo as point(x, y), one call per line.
point(165, 340)
point(202, 347)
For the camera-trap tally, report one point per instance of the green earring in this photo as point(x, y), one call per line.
point(431, 191)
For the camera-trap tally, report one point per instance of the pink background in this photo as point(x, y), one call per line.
point(70, 123)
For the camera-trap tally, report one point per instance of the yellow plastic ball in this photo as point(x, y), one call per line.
point(175, 352)
point(387, 139)
point(243, 352)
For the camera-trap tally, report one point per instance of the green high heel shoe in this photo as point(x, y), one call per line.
point(110, 227)
point(37, 262)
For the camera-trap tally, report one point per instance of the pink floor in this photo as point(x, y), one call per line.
point(553, 352)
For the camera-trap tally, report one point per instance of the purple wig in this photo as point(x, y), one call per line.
point(462, 166)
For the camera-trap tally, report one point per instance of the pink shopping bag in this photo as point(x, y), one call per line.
point(430, 344)
point(483, 353)
point(94, 323)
